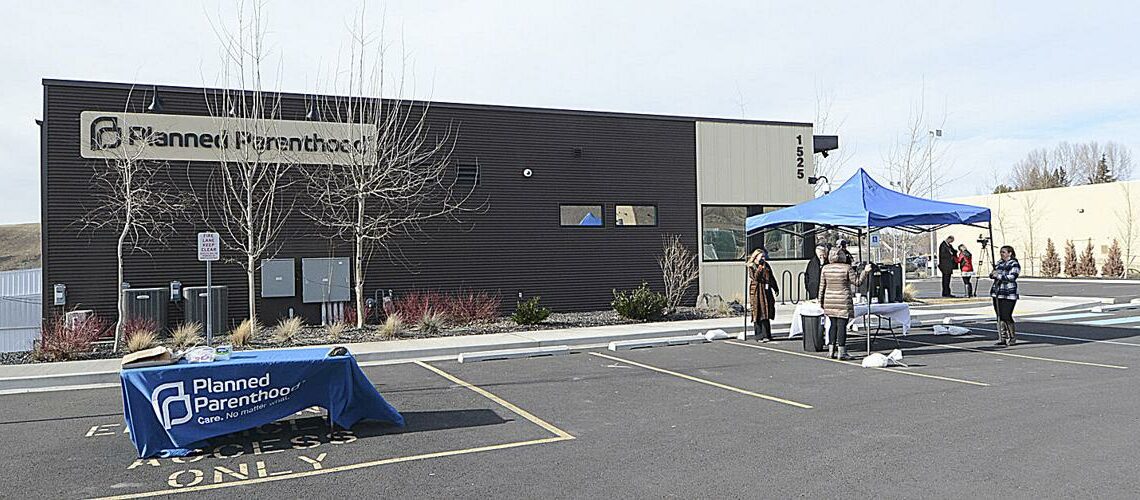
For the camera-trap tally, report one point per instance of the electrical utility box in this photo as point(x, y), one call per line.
point(195, 299)
point(325, 280)
point(147, 304)
point(278, 278)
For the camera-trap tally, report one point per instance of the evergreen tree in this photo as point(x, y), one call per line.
point(1114, 265)
point(1051, 263)
point(1087, 264)
point(1071, 260)
point(1102, 175)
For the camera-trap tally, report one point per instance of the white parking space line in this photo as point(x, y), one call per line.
point(1012, 355)
point(1112, 321)
point(1063, 337)
point(1062, 317)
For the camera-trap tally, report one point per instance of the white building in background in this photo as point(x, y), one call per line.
point(1026, 220)
point(20, 309)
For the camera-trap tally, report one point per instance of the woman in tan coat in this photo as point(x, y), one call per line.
point(835, 298)
point(762, 291)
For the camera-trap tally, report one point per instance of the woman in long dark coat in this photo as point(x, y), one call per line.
point(762, 291)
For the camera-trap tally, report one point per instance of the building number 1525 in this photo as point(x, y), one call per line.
point(799, 156)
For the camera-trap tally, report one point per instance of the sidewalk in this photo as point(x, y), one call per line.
point(105, 372)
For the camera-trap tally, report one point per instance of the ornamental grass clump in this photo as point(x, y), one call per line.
point(336, 330)
point(244, 333)
point(287, 329)
point(393, 326)
point(432, 323)
point(187, 335)
point(140, 339)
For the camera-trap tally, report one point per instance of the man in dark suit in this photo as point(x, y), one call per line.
point(811, 274)
point(946, 264)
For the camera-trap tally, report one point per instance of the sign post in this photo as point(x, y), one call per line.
point(209, 250)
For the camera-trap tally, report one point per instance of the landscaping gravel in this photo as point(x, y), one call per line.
point(315, 335)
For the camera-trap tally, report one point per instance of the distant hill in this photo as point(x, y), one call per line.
point(19, 246)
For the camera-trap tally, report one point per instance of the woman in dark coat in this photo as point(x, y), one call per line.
point(811, 274)
point(762, 291)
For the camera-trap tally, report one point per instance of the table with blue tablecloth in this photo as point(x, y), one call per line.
point(171, 410)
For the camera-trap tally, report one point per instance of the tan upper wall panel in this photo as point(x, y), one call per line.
point(742, 163)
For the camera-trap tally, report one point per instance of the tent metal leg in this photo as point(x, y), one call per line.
point(867, 316)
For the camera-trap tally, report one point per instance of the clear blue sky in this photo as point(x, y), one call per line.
point(1009, 76)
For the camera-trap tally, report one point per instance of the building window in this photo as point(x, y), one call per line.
point(723, 236)
point(723, 233)
point(635, 215)
point(783, 245)
point(581, 215)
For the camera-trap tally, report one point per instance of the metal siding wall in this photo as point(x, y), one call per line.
point(19, 309)
point(516, 244)
point(748, 164)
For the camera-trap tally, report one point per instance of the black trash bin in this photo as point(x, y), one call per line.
point(813, 333)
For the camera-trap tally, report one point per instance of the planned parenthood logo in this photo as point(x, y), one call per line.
point(106, 133)
point(214, 400)
point(162, 407)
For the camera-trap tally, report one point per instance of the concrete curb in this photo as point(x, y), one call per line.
point(103, 377)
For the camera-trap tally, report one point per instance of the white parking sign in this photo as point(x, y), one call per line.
point(209, 247)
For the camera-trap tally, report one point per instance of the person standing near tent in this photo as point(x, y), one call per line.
point(946, 264)
point(762, 291)
point(811, 274)
point(835, 297)
point(965, 261)
point(1004, 293)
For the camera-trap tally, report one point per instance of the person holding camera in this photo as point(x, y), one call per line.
point(762, 291)
point(836, 298)
point(1004, 293)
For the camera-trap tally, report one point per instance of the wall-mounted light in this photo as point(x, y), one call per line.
point(1080, 210)
point(155, 105)
point(527, 172)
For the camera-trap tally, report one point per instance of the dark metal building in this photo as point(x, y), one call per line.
point(532, 237)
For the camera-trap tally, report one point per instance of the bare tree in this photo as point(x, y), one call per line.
point(1031, 213)
point(132, 200)
point(1126, 229)
point(916, 165)
point(832, 165)
point(402, 174)
point(248, 193)
point(679, 269)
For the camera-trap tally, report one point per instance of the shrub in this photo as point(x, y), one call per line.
point(136, 325)
point(393, 326)
point(187, 335)
point(244, 333)
point(139, 339)
point(60, 341)
point(530, 312)
point(1114, 264)
point(1087, 264)
point(471, 307)
point(432, 322)
point(910, 293)
point(1051, 263)
point(642, 304)
point(287, 328)
point(417, 304)
point(350, 314)
point(336, 330)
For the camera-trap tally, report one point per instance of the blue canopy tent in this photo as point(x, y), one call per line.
point(862, 206)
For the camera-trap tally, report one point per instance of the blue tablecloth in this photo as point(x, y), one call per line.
point(171, 410)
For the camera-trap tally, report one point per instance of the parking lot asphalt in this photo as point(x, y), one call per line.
point(1053, 416)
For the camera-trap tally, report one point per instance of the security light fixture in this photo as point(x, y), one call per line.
point(155, 105)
